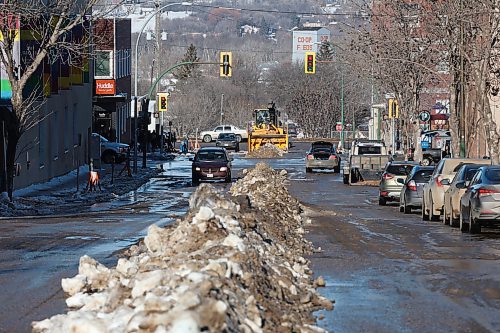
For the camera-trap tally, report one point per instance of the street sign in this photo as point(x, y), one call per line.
point(424, 116)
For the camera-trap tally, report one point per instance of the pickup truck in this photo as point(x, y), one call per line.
point(367, 160)
point(111, 152)
point(209, 136)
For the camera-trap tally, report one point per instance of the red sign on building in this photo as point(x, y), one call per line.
point(105, 87)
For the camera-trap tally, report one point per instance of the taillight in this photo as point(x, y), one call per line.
point(310, 157)
point(333, 157)
point(438, 182)
point(412, 186)
point(483, 191)
point(387, 176)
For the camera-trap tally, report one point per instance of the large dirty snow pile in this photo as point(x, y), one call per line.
point(266, 151)
point(231, 265)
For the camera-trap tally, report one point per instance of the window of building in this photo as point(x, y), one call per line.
point(104, 64)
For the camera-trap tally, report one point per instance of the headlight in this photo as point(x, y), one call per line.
point(198, 169)
point(223, 169)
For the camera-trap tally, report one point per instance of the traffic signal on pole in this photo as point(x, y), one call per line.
point(226, 59)
point(162, 102)
point(310, 63)
point(393, 108)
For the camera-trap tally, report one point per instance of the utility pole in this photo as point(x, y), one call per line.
point(158, 66)
point(461, 115)
point(221, 108)
point(342, 109)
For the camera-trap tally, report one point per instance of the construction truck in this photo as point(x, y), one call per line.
point(266, 128)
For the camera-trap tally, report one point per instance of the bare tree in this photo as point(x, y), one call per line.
point(50, 25)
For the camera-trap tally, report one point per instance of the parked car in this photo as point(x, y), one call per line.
point(228, 141)
point(411, 193)
point(392, 181)
point(111, 152)
point(433, 199)
point(322, 155)
point(480, 204)
point(453, 195)
point(211, 163)
point(209, 136)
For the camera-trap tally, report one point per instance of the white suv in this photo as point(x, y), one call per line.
point(208, 136)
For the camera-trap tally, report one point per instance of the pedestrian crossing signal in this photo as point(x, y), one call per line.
point(162, 102)
point(226, 59)
point(310, 63)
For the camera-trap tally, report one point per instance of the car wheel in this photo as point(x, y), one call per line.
point(108, 157)
point(346, 179)
point(401, 209)
point(309, 170)
point(474, 227)
point(446, 221)
point(432, 216)
point(464, 226)
point(406, 209)
point(238, 137)
point(453, 220)
point(426, 162)
point(337, 168)
point(425, 216)
point(207, 138)
point(382, 201)
point(228, 178)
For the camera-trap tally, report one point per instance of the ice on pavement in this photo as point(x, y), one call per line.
point(234, 263)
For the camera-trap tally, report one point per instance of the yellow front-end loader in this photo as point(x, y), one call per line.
point(266, 129)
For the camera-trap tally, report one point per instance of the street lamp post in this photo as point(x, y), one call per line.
point(136, 60)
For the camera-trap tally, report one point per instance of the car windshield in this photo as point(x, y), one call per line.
point(103, 139)
point(493, 175)
point(227, 136)
point(399, 170)
point(211, 156)
point(367, 150)
point(422, 176)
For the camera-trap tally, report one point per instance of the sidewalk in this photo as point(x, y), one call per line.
point(60, 194)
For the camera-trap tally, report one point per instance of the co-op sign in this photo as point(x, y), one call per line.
point(105, 87)
point(308, 40)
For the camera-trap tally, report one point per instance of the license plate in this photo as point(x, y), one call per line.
point(226, 144)
point(210, 175)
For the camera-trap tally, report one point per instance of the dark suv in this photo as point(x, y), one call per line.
point(211, 163)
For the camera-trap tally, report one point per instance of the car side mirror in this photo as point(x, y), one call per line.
point(445, 182)
point(460, 184)
point(401, 181)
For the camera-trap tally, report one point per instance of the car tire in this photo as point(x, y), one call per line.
point(446, 221)
point(346, 179)
point(238, 138)
point(382, 201)
point(228, 178)
point(432, 216)
point(406, 209)
point(337, 168)
point(464, 227)
point(425, 216)
point(474, 228)
point(453, 221)
point(207, 138)
point(309, 170)
point(108, 157)
point(195, 181)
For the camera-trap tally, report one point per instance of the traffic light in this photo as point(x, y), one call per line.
point(310, 63)
point(162, 102)
point(393, 108)
point(226, 69)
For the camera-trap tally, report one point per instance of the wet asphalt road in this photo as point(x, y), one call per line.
point(386, 271)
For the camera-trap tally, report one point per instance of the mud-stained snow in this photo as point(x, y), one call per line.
point(266, 151)
point(235, 263)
